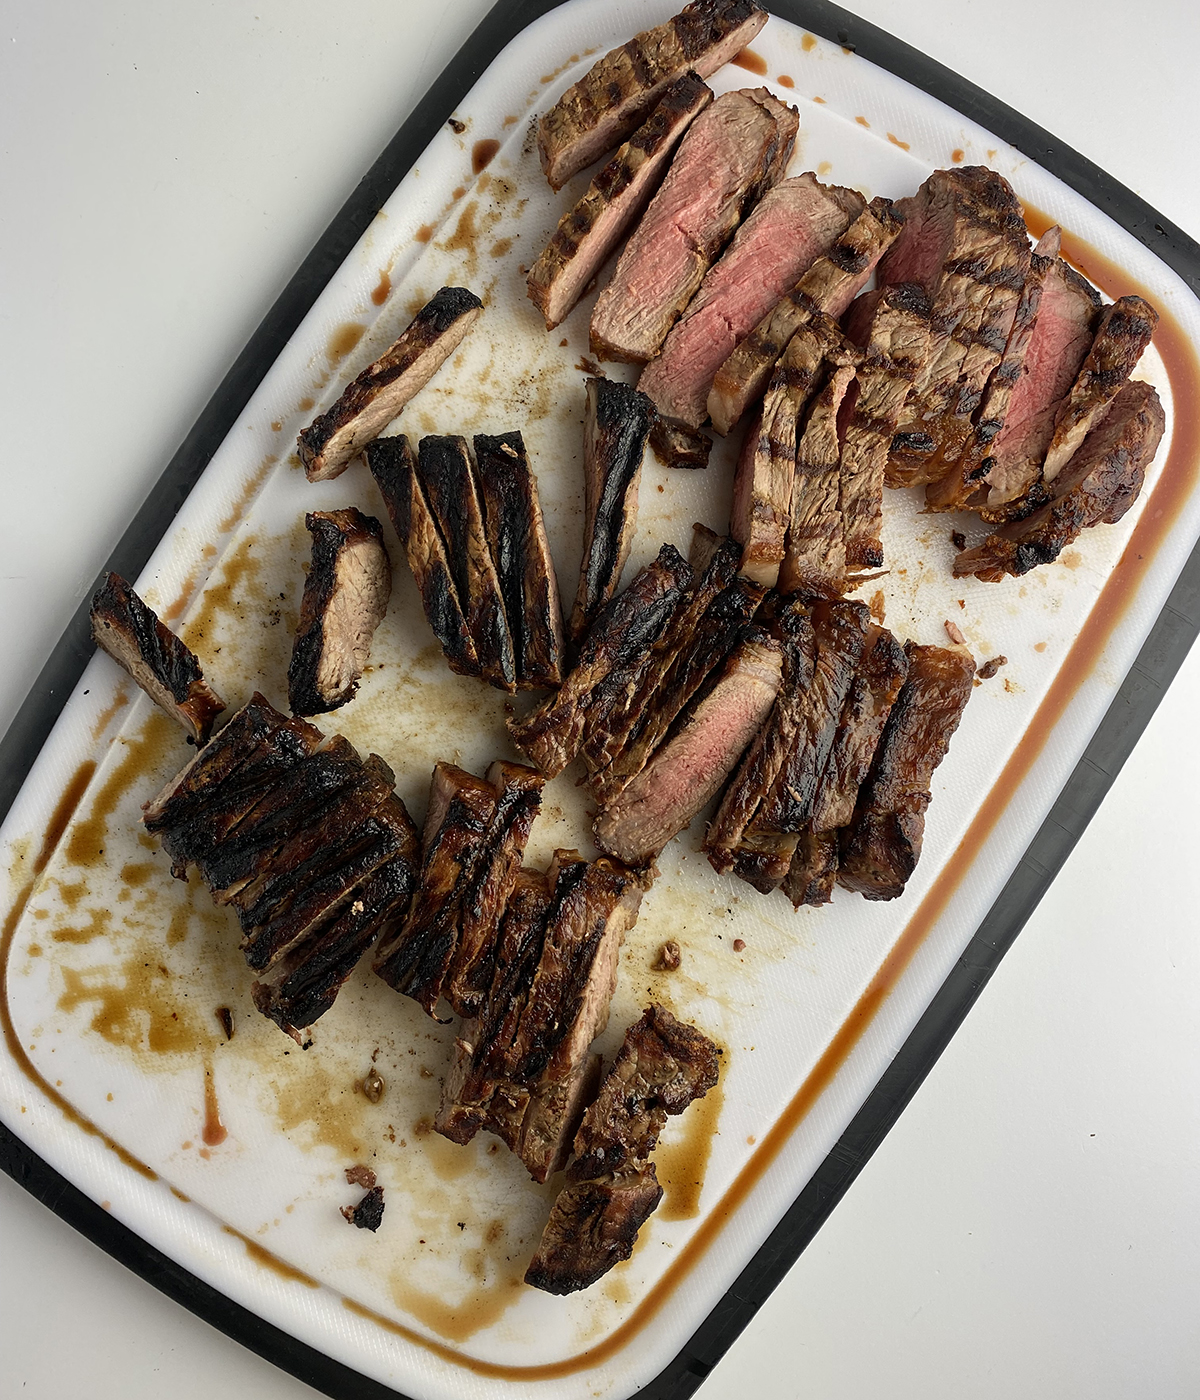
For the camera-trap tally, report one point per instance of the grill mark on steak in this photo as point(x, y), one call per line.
point(153, 656)
point(829, 286)
point(394, 469)
point(367, 405)
point(1097, 486)
point(880, 849)
point(823, 511)
point(692, 763)
point(607, 103)
point(723, 164)
point(516, 534)
point(792, 225)
point(589, 232)
point(615, 428)
point(346, 594)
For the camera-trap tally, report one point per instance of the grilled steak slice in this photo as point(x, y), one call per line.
point(333, 439)
point(763, 485)
point(1097, 486)
point(518, 794)
point(588, 233)
point(303, 984)
point(829, 285)
point(723, 164)
point(1123, 333)
point(611, 725)
point(153, 656)
point(679, 446)
point(346, 595)
point(416, 959)
point(626, 628)
point(516, 535)
point(690, 766)
point(598, 112)
point(827, 503)
point(394, 469)
point(813, 872)
point(615, 428)
point(881, 847)
point(444, 468)
point(793, 224)
point(662, 1066)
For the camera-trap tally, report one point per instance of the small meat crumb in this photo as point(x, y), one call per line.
point(373, 1085)
point(225, 1016)
point(456, 126)
point(989, 668)
point(368, 1214)
point(958, 539)
point(877, 606)
point(669, 956)
point(954, 632)
point(360, 1175)
point(739, 944)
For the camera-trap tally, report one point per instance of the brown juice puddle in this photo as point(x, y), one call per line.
point(266, 1260)
point(1176, 482)
point(752, 62)
point(214, 1132)
point(483, 153)
point(384, 289)
point(343, 340)
point(681, 1164)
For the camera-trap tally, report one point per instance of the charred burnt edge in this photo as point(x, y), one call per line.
point(624, 416)
point(697, 29)
point(1159, 659)
point(171, 660)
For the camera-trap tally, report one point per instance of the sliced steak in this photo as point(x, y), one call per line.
point(793, 224)
point(589, 232)
point(615, 428)
point(829, 286)
point(722, 166)
point(813, 872)
point(1096, 487)
point(153, 656)
point(690, 766)
point(516, 535)
point(346, 594)
point(394, 468)
point(825, 507)
point(1123, 333)
point(552, 733)
point(368, 405)
point(880, 849)
point(679, 446)
point(593, 1225)
point(599, 111)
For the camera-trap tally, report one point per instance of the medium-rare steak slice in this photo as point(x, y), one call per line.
point(518, 793)
point(1097, 487)
point(417, 957)
point(394, 468)
point(690, 766)
point(793, 224)
point(662, 1066)
point(444, 469)
point(599, 111)
point(829, 285)
point(626, 628)
point(368, 405)
point(345, 597)
point(153, 656)
point(589, 232)
point(723, 164)
point(616, 425)
point(764, 483)
point(516, 535)
point(1123, 333)
point(881, 847)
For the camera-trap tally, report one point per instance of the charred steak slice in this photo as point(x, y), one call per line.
point(721, 167)
point(881, 847)
point(588, 233)
point(691, 765)
point(346, 595)
point(1097, 487)
point(615, 428)
point(829, 285)
point(1123, 333)
point(663, 1065)
point(551, 734)
point(444, 467)
point(599, 111)
point(678, 446)
point(394, 469)
point(153, 656)
point(791, 226)
point(368, 405)
point(516, 535)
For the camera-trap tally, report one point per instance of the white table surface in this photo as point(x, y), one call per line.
point(1029, 1226)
